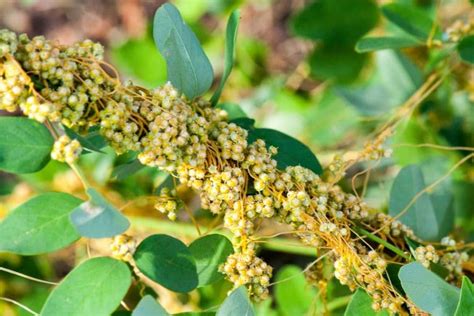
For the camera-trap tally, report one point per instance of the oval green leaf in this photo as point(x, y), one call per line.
point(420, 216)
point(40, 225)
point(293, 295)
point(361, 304)
point(95, 287)
point(291, 152)
point(370, 44)
point(236, 304)
point(25, 145)
point(167, 261)
point(189, 69)
point(427, 290)
point(324, 20)
point(97, 218)
point(410, 19)
point(466, 49)
point(234, 111)
point(466, 300)
point(148, 306)
point(210, 252)
point(230, 39)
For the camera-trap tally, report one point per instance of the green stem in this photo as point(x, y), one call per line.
point(188, 230)
point(339, 302)
point(379, 240)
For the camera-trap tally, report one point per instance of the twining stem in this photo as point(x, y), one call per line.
point(26, 276)
point(183, 229)
point(380, 241)
point(9, 300)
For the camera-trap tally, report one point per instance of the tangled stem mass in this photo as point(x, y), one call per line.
point(195, 143)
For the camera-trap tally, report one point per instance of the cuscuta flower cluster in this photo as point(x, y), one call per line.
point(66, 149)
point(123, 247)
point(195, 143)
point(168, 203)
point(425, 255)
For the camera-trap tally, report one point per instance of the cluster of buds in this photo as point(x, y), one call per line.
point(123, 247)
point(244, 268)
point(459, 29)
point(425, 255)
point(168, 203)
point(66, 150)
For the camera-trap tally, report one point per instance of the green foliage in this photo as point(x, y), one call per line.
point(97, 218)
point(130, 56)
point(236, 304)
point(361, 304)
point(294, 296)
point(40, 225)
point(465, 305)
point(423, 216)
point(412, 20)
point(25, 145)
point(93, 141)
point(95, 287)
point(427, 290)
point(291, 152)
point(149, 306)
point(231, 38)
point(167, 261)
point(234, 111)
point(395, 80)
point(209, 253)
point(189, 69)
point(369, 44)
point(338, 30)
point(466, 49)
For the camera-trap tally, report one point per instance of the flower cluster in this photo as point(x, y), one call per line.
point(426, 255)
point(66, 150)
point(244, 268)
point(123, 247)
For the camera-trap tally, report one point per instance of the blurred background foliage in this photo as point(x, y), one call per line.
point(296, 71)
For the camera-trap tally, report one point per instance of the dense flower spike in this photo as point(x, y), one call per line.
point(196, 144)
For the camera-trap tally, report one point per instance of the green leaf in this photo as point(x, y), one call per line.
point(324, 20)
point(291, 152)
point(465, 305)
point(148, 306)
point(210, 252)
point(93, 141)
point(95, 287)
point(236, 304)
point(40, 225)
point(25, 145)
point(427, 290)
point(410, 19)
point(430, 216)
point(167, 261)
point(395, 80)
point(466, 49)
point(341, 64)
point(125, 170)
point(233, 110)
point(361, 304)
point(369, 44)
point(230, 40)
point(244, 122)
point(97, 218)
point(420, 216)
point(293, 295)
point(189, 69)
